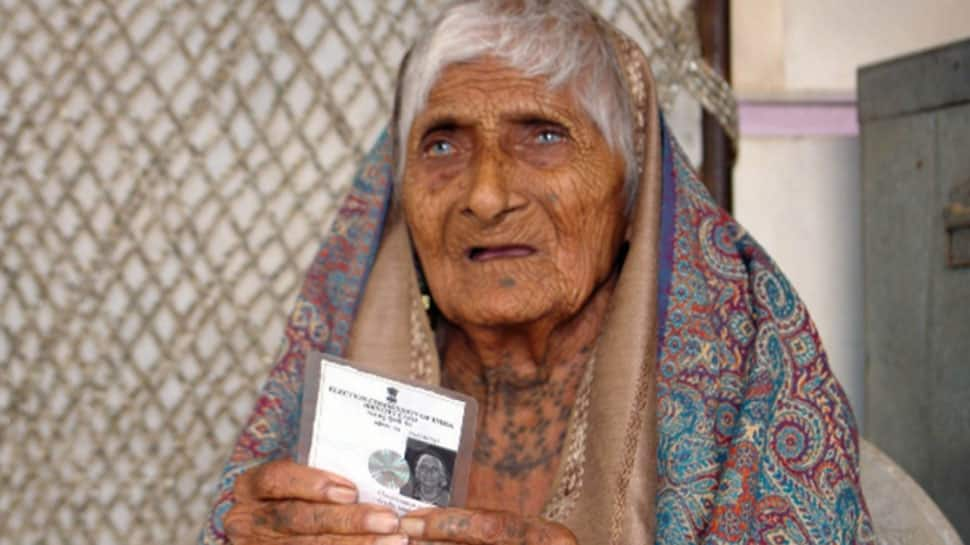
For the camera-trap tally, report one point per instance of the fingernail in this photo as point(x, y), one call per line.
point(380, 523)
point(391, 540)
point(412, 526)
point(341, 494)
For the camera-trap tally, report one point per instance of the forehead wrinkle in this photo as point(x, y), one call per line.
point(485, 84)
point(488, 77)
point(486, 93)
point(464, 113)
point(481, 78)
point(485, 108)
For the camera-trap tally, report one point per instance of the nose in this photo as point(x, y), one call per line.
point(490, 196)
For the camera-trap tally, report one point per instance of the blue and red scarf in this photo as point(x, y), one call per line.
point(756, 440)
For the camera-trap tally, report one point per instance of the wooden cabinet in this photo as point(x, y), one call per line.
point(915, 119)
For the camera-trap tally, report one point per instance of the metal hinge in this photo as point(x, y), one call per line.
point(956, 220)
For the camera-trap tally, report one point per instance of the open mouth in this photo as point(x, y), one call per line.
point(488, 253)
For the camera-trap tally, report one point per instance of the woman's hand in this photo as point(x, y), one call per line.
point(286, 502)
point(472, 527)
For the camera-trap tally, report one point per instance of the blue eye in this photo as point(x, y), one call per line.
point(440, 148)
point(549, 137)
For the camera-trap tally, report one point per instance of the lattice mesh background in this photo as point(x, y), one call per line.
point(167, 169)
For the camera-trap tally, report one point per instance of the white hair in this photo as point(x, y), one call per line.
point(556, 39)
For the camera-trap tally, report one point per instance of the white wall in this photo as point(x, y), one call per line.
point(782, 48)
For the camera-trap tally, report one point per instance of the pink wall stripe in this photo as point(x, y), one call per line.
point(821, 118)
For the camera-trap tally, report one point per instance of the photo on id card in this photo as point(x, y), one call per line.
point(405, 445)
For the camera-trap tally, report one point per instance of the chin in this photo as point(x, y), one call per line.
point(497, 311)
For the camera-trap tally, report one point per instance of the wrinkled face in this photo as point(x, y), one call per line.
point(430, 472)
point(513, 198)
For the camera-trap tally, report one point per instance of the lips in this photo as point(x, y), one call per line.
point(507, 251)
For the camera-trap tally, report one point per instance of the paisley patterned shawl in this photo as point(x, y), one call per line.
point(756, 440)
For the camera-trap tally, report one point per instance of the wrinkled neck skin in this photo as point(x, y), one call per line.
point(525, 380)
point(478, 360)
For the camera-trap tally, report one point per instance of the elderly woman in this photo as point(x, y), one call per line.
point(644, 372)
point(430, 482)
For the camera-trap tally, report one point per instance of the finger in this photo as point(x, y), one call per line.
point(461, 525)
point(423, 511)
point(347, 540)
point(476, 527)
point(244, 525)
point(285, 479)
point(311, 518)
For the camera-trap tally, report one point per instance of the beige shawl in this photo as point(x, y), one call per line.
point(606, 485)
